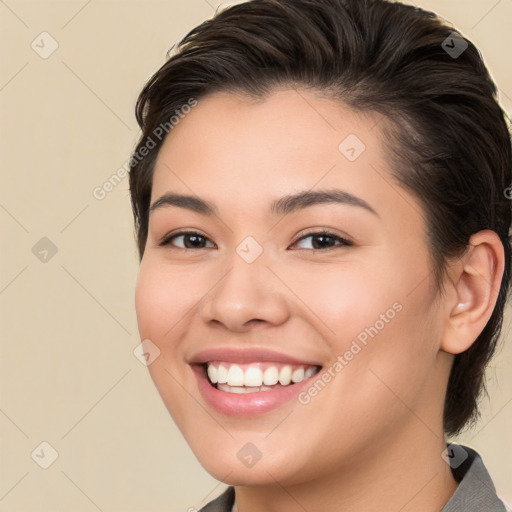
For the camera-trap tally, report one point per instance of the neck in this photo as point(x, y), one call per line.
point(407, 475)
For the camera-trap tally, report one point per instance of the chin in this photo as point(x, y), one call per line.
point(258, 475)
point(244, 467)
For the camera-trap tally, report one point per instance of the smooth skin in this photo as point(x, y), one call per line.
point(372, 439)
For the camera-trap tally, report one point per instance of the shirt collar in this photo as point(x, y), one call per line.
point(476, 490)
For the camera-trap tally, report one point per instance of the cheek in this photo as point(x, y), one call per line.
point(162, 301)
point(379, 319)
point(163, 297)
point(342, 299)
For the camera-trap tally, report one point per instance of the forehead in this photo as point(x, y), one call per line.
point(234, 149)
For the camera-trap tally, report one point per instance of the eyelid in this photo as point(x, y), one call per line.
point(346, 242)
point(166, 239)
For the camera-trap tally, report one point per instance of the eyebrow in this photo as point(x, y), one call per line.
point(282, 206)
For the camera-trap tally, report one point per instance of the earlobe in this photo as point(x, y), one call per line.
point(476, 285)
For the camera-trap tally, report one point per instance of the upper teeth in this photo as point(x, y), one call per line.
point(254, 375)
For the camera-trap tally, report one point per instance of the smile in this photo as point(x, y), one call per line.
point(247, 381)
point(236, 398)
point(256, 377)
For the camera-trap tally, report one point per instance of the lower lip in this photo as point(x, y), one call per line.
point(246, 404)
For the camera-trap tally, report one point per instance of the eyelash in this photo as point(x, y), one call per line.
point(344, 242)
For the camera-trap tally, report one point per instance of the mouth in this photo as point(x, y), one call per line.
point(246, 382)
point(255, 377)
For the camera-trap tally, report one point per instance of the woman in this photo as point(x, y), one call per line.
point(320, 202)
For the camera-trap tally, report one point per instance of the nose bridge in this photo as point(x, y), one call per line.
point(246, 291)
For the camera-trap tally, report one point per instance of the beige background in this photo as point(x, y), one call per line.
point(68, 373)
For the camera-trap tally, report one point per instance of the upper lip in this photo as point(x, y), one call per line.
point(246, 355)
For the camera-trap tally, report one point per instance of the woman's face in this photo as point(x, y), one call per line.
point(259, 288)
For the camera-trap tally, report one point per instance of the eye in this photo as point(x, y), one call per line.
point(190, 239)
point(322, 240)
point(325, 240)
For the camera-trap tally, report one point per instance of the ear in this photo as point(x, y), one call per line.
point(476, 281)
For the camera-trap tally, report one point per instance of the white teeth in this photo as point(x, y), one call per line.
point(309, 372)
point(270, 376)
point(243, 390)
point(212, 374)
point(253, 377)
point(236, 389)
point(285, 375)
point(233, 378)
point(235, 375)
point(222, 374)
point(298, 375)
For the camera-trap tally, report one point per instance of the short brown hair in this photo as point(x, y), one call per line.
point(450, 142)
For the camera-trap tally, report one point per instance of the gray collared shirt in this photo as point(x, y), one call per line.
point(475, 493)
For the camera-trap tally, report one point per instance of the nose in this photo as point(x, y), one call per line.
point(248, 294)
